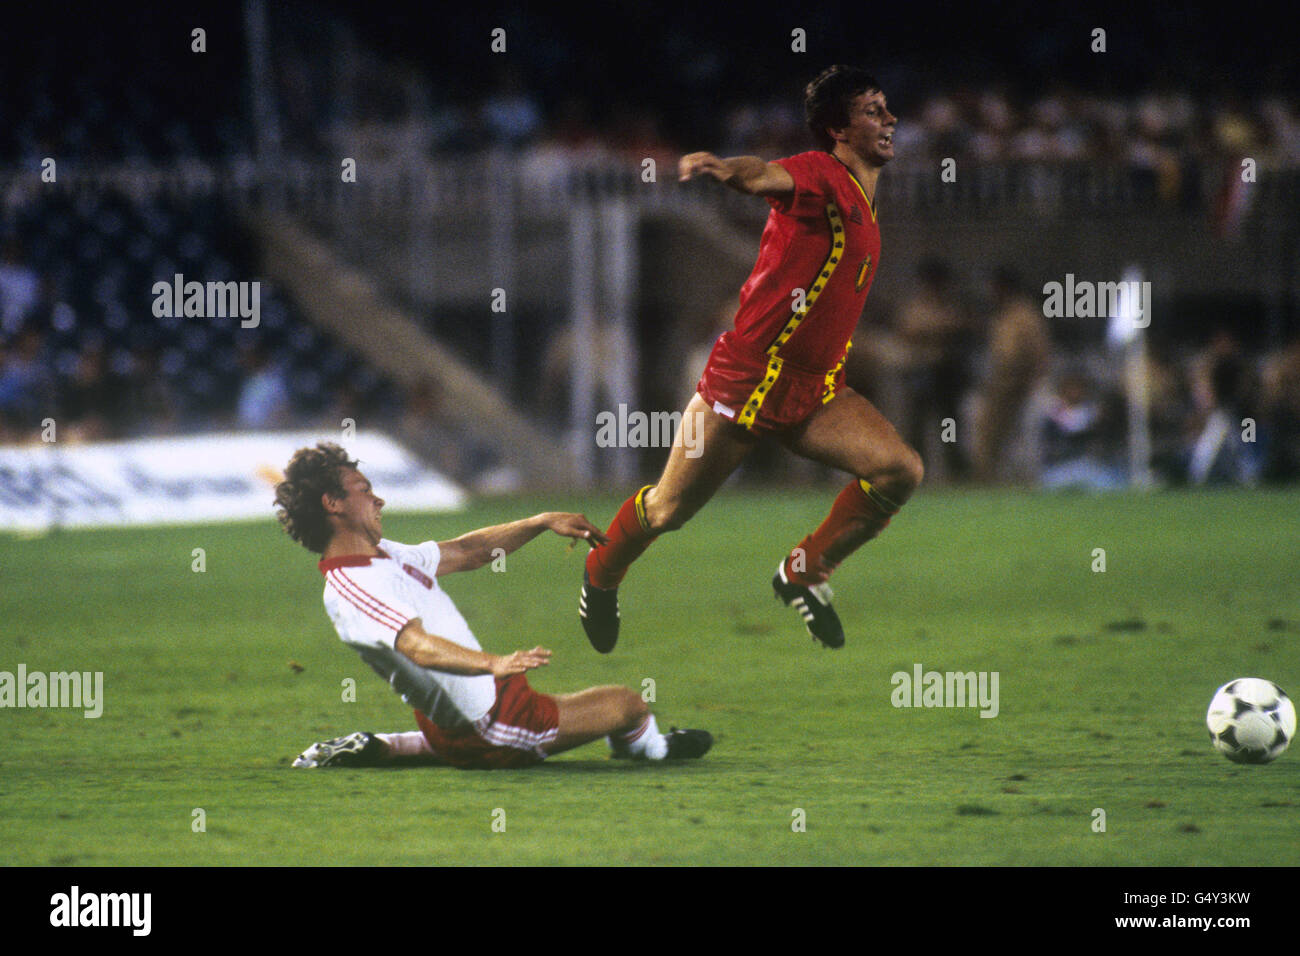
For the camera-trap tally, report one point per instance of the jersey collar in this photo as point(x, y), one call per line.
point(870, 205)
point(349, 561)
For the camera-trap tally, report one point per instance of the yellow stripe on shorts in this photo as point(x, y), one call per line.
point(830, 376)
point(756, 397)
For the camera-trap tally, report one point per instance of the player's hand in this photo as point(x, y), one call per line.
point(575, 526)
point(696, 164)
point(520, 661)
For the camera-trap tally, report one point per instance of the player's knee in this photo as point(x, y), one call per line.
point(900, 475)
point(665, 514)
point(635, 708)
point(911, 468)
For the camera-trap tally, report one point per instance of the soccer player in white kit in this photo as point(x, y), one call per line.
point(473, 709)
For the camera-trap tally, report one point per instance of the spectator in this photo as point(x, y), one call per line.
point(92, 401)
point(1019, 350)
point(151, 405)
point(1222, 345)
point(264, 394)
point(26, 384)
point(1079, 432)
point(510, 114)
point(1281, 414)
point(19, 288)
point(936, 333)
point(1169, 409)
point(1218, 455)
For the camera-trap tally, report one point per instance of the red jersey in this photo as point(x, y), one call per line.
point(824, 240)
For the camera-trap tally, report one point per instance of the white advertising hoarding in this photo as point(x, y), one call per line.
point(192, 479)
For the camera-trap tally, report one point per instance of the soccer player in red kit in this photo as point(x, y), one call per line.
point(780, 371)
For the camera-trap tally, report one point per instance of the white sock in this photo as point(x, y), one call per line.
point(643, 741)
point(410, 744)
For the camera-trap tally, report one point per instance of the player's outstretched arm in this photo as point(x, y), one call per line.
point(746, 174)
point(436, 653)
point(477, 548)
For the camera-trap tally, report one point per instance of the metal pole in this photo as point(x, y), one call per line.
point(501, 265)
point(582, 340)
point(620, 367)
point(1126, 332)
point(266, 123)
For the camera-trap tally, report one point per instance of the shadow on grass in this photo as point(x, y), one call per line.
point(615, 766)
point(546, 767)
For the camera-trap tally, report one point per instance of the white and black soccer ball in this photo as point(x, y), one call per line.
point(1251, 720)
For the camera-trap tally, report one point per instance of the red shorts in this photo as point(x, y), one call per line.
point(763, 393)
point(511, 734)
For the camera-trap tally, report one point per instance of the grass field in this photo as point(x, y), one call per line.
point(1104, 681)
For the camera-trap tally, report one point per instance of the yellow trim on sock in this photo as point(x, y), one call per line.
point(639, 504)
point(879, 500)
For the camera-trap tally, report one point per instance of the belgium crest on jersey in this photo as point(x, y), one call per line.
point(864, 273)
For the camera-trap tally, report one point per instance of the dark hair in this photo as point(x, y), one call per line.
point(312, 472)
point(826, 99)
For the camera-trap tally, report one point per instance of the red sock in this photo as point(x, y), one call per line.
point(858, 515)
point(628, 538)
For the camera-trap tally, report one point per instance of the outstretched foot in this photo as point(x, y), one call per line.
point(598, 608)
point(682, 745)
point(687, 744)
point(814, 606)
point(355, 750)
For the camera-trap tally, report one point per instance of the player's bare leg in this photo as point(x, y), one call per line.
point(850, 434)
point(595, 713)
point(692, 476)
point(621, 715)
point(705, 451)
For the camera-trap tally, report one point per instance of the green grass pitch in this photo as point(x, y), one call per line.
point(1104, 681)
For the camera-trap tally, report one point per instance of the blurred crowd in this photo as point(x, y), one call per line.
point(82, 345)
point(328, 86)
point(83, 357)
point(1167, 133)
point(78, 342)
point(973, 376)
point(978, 381)
point(1155, 130)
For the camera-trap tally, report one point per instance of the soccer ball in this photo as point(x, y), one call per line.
point(1251, 720)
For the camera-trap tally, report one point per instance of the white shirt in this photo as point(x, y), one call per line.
point(370, 600)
